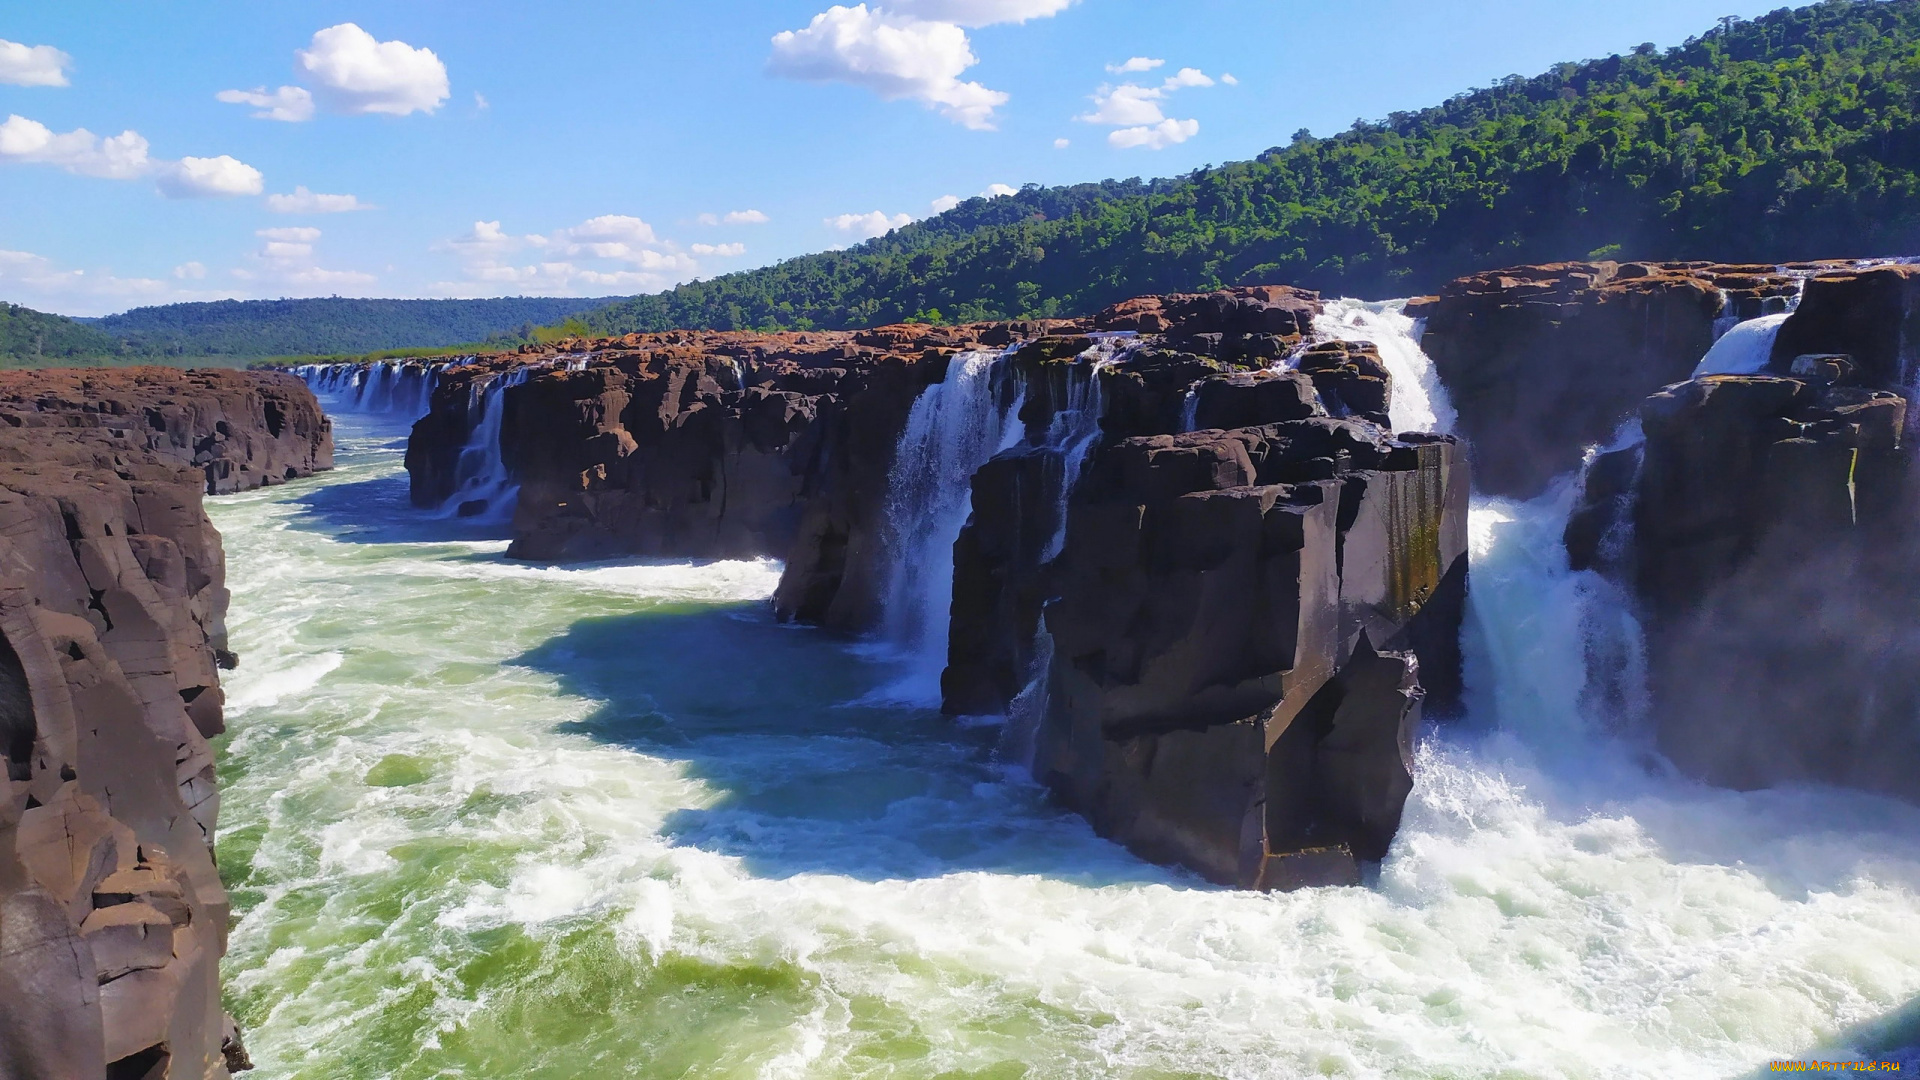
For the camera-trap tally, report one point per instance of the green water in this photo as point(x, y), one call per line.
point(489, 820)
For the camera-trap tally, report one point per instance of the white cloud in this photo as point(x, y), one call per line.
point(33, 280)
point(32, 65)
point(746, 217)
point(1135, 111)
point(1230, 80)
point(1138, 63)
point(198, 177)
point(945, 203)
point(122, 157)
point(480, 101)
point(190, 271)
point(869, 225)
point(894, 56)
point(1062, 144)
point(298, 234)
point(995, 191)
point(303, 201)
point(354, 73)
point(979, 12)
point(292, 104)
point(1155, 137)
point(1125, 105)
point(649, 263)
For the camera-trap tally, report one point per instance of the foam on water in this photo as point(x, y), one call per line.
point(1417, 399)
point(1743, 349)
point(563, 823)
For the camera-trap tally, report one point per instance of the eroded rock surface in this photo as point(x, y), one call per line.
point(1542, 362)
point(112, 630)
point(1766, 529)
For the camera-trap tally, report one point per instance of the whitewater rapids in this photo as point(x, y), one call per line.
point(483, 819)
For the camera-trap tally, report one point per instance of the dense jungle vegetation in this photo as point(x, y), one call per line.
point(1795, 135)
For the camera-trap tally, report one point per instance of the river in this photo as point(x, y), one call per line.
point(482, 819)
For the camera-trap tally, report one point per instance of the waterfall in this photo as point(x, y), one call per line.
point(1728, 318)
point(383, 386)
point(1743, 349)
point(482, 484)
point(1190, 409)
point(1076, 428)
point(1419, 401)
point(955, 426)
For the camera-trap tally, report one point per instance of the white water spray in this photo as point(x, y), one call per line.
point(1419, 401)
point(956, 425)
point(398, 388)
point(482, 484)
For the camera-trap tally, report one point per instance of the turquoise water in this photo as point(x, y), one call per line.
point(488, 820)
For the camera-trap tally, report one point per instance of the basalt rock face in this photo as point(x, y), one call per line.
point(1766, 529)
point(1544, 361)
point(112, 610)
point(1247, 624)
point(1244, 621)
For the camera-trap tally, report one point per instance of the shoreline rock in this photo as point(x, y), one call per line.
point(112, 630)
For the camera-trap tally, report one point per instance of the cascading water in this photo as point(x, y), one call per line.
point(1419, 402)
point(1190, 409)
point(482, 483)
point(400, 388)
point(1743, 349)
point(954, 427)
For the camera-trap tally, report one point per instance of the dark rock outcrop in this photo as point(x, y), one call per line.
point(1244, 624)
point(112, 628)
point(1542, 362)
point(1247, 619)
point(1766, 530)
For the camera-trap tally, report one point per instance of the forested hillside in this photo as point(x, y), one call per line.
point(1796, 135)
point(327, 326)
point(29, 337)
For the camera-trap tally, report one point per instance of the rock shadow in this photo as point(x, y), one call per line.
point(378, 511)
point(809, 777)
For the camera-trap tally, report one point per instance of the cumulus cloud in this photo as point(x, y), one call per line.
point(209, 177)
point(641, 260)
point(303, 201)
point(1230, 80)
point(285, 261)
point(945, 203)
point(35, 281)
point(897, 57)
point(32, 65)
point(1154, 137)
point(995, 191)
point(735, 217)
point(1135, 111)
point(292, 104)
point(1138, 63)
point(1062, 144)
point(979, 12)
point(190, 271)
point(354, 73)
point(869, 225)
point(122, 157)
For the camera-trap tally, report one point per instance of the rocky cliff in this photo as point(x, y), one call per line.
point(1542, 362)
point(1766, 529)
point(112, 609)
point(1245, 619)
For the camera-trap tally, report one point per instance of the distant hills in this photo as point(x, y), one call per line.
point(1794, 135)
point(240, 330)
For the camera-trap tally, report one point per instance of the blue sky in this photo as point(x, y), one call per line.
point(597, 148)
